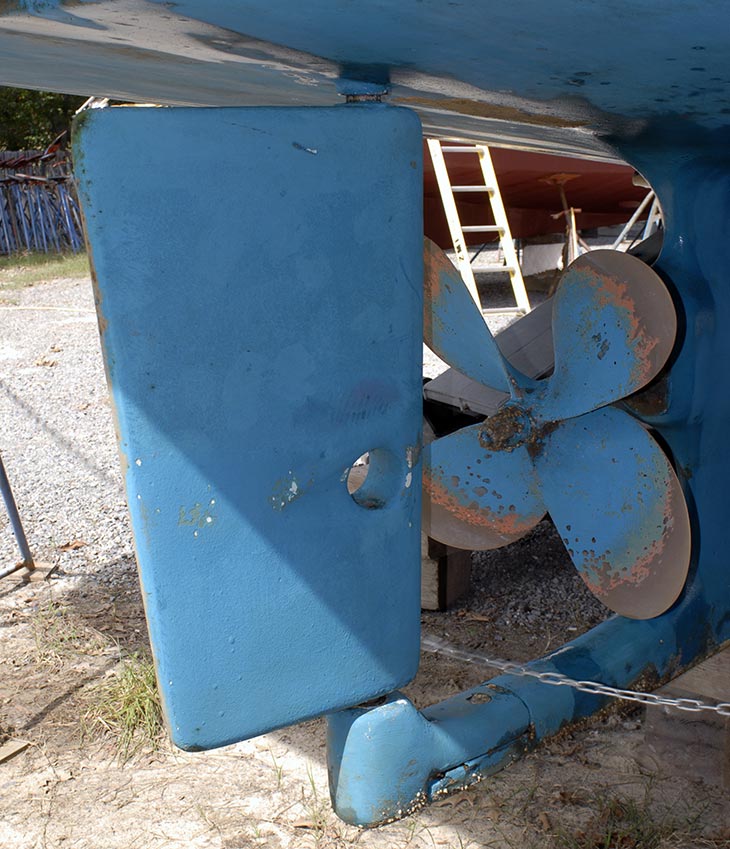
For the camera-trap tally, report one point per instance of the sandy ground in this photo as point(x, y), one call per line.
point(62, 637)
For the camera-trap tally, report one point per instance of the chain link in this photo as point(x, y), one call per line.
point(557, 679)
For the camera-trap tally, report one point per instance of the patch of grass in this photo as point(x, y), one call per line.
point(21, 270)
point(316, 809)
point(127, 707)
point(463, 845)
point(57, 635)
point(620, 822)
point(278, 769)
point(319, 825)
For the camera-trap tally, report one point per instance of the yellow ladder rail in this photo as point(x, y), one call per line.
point(490, 188)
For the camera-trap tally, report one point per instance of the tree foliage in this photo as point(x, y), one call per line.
point(31, 120)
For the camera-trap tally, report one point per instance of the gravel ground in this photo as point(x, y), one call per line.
point(57, 436)
point(68, 790)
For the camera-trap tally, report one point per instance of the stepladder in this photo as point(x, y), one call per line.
point(496, 231)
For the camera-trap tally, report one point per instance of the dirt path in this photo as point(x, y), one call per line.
point(61, 638)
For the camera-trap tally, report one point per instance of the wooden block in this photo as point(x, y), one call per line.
point(11, 748)
point(445, 574)
point(709, 679)
point(39, 572)
point(692, 745)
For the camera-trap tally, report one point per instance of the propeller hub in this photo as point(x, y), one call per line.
point(509, 428)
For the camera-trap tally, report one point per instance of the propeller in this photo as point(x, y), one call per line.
point(557, 445)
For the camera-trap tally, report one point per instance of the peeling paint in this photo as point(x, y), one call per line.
point(616, 294)
point(312, 150)
point(480, 109)
point(509, 428)
point(196, 516)
point(288, 489)
point(602, 577)
point(514, 426)
point(506, 524)
point(413, 454)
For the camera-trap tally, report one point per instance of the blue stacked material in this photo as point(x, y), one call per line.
point(38, 206)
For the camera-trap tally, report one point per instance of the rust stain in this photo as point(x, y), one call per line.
point(480, 109)
point(432, 264)
point(123, 459)
point(651, 401)
point(613, 293)
point(506, 521)
point(440, 281)
point(512, 427)
point(98, 297)
point(101, 319)
point(604, 345)
point(108, 360)
point(509, 428)
point(602, 577)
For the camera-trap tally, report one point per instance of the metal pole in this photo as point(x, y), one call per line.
point(634, 218)
point(12, 509)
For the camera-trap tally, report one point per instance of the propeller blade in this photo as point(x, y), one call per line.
point(478, 499)
point(453, 327)
point(620, 510)
point(614, 326)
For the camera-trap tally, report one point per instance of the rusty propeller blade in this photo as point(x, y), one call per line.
point(607, 484)
point(614, 326)
point(453, 327)
point(620, 510)
point(475, 498)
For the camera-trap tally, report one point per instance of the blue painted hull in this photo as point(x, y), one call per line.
point(566, 75)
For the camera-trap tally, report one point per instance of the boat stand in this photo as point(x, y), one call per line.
point(29, 569)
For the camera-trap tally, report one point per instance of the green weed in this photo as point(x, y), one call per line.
point(127, 706)
point(21, 270)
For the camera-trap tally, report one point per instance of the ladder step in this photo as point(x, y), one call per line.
point(504, 311)
point(493, 269)
point(489, 189)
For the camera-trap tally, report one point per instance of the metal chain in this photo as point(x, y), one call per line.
point(557, 679)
